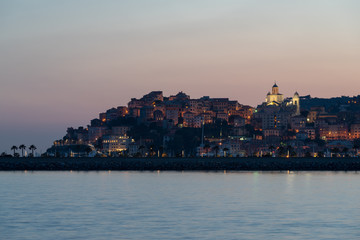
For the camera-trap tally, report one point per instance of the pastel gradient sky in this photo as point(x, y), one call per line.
point(63, 62)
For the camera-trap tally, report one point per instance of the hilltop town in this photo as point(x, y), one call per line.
point(178, 126)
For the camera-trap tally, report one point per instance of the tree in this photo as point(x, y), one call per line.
point(356, 145)
point(14, 148)
point(336, 151)
point(271, 148)
point(88, 150)
point(290, 151)
point(207, 148)
point(344, 151)
point(216, 149)
point(141, 150)
point(320, 154)
point(22, 147)
point(152, 150)
point(160, 151)
point(225, 151)
point(138, 154)
point(307, 154)
point(320, 142)
point(281, 151)
point(32, 148)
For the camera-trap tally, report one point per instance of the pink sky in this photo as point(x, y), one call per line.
point(62, 62)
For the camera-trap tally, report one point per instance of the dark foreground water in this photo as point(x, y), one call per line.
point(176, 205)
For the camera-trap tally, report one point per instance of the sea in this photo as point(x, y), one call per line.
point(179, 205)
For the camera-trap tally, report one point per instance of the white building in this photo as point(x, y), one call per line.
point(116, 143)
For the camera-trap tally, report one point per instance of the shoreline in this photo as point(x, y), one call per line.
point(180, 164)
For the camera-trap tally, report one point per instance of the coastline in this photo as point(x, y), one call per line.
point(180, 164)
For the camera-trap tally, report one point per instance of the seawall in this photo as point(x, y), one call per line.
point(180, 164)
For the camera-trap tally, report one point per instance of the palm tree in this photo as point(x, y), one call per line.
point(152, 151)
point(271, 148)
point(335, 151)
point(14, 148)
point(281, 151)
point(356, 145)
point(207, 148)
point(22, 147)
point(32, 148)
point(160, 151)
point(216, 149)
point(141, 149)
point(345, 150)
point(290, 151)
point(225, 151)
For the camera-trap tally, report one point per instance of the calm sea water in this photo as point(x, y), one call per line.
point(176, 205)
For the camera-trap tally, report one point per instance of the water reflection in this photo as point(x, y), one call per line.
point(179, 205)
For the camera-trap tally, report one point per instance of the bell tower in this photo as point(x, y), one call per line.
point(296, 102)
point(275, 89)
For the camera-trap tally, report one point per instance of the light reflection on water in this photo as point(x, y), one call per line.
point(179, 205)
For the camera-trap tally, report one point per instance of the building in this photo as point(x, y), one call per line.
point(298, 123)
point(246, 112)
point(172, 113)
point(234, 147)
point(196, 106)
point(158, 115)
point(311, 132)
point(223, 116)
point(96, 132)
point(276, 111)
point(79, 135)
point(147, 113)
point(120, 130)
point(274, 98)
point(355, 131)
point(271, 133)
point(334, 132)
point(102, 117)
point(274, 117)
point(114, 113)
point(197, 121)
point(236, 121)
point(113, 143)
point(188, 119)
point(153, 97)
point(220, 104)
point(181, 97)
point(314, 113)
point(296, 102)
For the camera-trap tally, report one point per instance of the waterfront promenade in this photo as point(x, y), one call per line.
point(181, 164)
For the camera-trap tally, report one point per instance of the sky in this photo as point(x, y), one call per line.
point(63, 62)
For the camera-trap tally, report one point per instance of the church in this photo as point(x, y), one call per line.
point(277, 99)
point(276, 111)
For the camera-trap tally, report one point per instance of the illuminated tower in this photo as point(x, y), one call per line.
point(296, 102)
point(275, 89)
